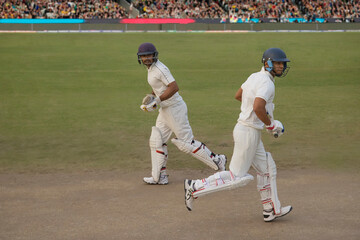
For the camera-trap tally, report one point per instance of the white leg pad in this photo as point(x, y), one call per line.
point(221, 181)
point(159, 153)
point(266, 184)
point(272, 175)
point(263, 186)
point(198, 150)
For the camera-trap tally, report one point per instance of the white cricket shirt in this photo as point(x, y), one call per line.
point(260, 84)
point(159, 77)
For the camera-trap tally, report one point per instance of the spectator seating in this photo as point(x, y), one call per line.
point(83, 9)
point(211, 9)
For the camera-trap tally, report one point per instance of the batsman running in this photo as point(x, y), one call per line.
point(172, 118)
point(256, 95)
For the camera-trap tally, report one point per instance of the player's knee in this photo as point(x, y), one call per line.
point(271, 164)
point(156, 140)
point(182, 145)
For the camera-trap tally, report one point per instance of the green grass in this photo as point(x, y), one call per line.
point(71, 101)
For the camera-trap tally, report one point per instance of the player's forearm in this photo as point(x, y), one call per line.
point(170, 91)
point(260, 110)
point(262, 115)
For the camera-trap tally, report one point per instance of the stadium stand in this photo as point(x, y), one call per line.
point(179, 9)
point(247, 10)
point(84, 9)
point(346, 10)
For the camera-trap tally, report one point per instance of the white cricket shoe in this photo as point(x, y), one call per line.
point(163, 180)
point(270, 216)
point(221, 162)
point(189, 189)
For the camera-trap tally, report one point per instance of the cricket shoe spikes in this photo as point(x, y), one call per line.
point(221, 162)
point(189, 190)
point(270, 215)
point(162, 181)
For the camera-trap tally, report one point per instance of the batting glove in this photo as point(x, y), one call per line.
point(276, 128)
point(152, 106)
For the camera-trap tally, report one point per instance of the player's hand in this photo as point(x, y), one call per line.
point(148, 99)
point(152, 106)
point(276, 128)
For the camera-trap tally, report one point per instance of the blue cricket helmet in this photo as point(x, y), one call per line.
point(146, 49)
point(275, 55)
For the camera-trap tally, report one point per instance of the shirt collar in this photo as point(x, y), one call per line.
point(269, 74)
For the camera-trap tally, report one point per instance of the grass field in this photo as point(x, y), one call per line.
point(71, 101)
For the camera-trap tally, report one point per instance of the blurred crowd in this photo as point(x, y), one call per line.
point(265, 9)
point(330, 9)
point(83, 9)
point(248, 9)
point(213, 9)
point(178, 9)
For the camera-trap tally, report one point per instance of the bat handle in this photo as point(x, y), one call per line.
point(276, 135)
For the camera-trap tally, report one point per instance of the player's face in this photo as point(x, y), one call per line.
point(147, 59)
point(278, 67)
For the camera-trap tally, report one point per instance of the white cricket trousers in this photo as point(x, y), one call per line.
point(248, 151)
point(174, 119)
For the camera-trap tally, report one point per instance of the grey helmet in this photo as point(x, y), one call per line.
point(275, 55)
point(146, 49)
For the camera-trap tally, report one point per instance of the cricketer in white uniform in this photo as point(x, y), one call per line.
point(172, 118)
point(256, 95)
